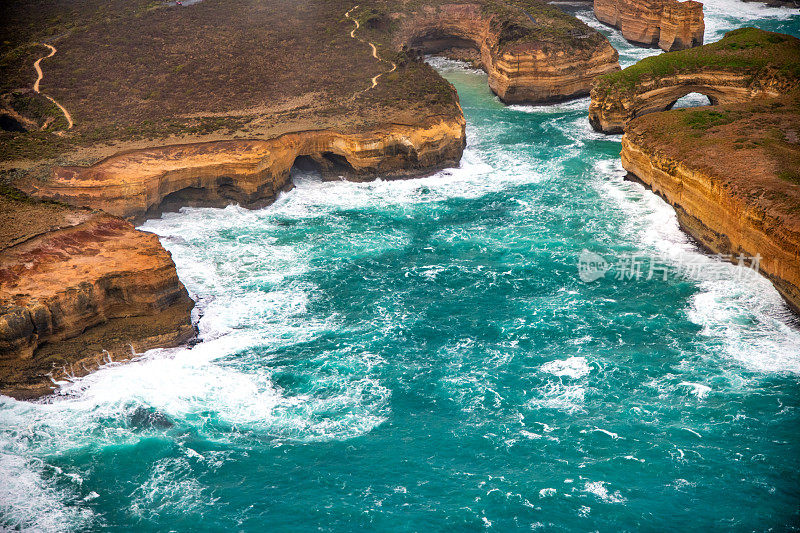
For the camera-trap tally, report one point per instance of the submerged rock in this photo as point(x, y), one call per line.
point(147, 418)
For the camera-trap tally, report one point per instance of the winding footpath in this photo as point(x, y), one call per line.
point(374, 49)
point(37, 67)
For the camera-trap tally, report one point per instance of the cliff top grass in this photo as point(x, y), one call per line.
point(136, 71)
point(753, 148)
point(22, 216)
point(759, 52)
point(533, 21)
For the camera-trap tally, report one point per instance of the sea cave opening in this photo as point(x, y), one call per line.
point(322, 166)
point(336, 165)
point(437, 42)
point(305, 168)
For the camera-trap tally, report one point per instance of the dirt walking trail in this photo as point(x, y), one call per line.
point(372, 46)
point(37, 67)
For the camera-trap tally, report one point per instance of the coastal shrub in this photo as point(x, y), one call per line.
point(705, 118)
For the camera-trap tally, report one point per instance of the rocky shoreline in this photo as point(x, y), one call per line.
point(91, 288)
point(730, 170)
point(121, 295)
point(737, 199)
point(532, 70)
point(80, 286)
point(143, 183)
point(78, 289)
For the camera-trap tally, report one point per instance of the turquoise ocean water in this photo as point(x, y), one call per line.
point(422, 355)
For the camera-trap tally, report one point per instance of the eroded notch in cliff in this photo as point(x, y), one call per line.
point(325, 165)
point(438, 42)
point(305, 168)
point(9, 123)
point(335, 165)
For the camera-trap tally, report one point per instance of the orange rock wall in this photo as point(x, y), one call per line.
point(524, 73)
point(95, 271)
point(133, 185)
point(719, 217)
point(668, 24)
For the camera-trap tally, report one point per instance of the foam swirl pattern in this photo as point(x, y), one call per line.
point(421, 354)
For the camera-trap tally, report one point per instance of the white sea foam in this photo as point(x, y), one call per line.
point(611, 434)
point(698, 389)
point(573, 367)
point(171, 489)
point(30, 501)
point(547, 493)
point(723, 15)
point(567, 398)
point(580, 104)
point(746, 315)
point(692, 100)
point(599, 489)
point(445, 65)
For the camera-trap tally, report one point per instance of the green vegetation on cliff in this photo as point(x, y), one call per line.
point(533, 21)
point(755, 146)
point(751, 50)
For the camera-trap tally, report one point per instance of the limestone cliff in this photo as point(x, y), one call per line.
point(141, 183)
point(530, 57)
point(668, 24)
point(733, 177)
point(79, 288)
point(747, 64)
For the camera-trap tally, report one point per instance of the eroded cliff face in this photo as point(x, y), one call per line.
point(142, 183)
point(80, 288)
point(611, 110)
point(746, 65)
point(521, 71)
point(668, 24)
point(729, 215)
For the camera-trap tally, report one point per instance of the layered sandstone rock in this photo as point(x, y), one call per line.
point(734, 179)
point(525, 63)
point(668, 24)
point(79, 288)
point(746, 65)
point(142, 183)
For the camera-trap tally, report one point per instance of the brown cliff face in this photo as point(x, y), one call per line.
point(78, 289)
point(732, 179)
point(746, 65)
point(142, 183)
point(609, 112)
point(668, 24)
point(521, 70)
